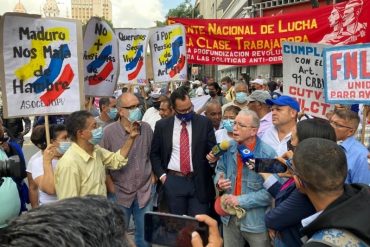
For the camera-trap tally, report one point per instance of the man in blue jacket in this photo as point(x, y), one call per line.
point(243, 187)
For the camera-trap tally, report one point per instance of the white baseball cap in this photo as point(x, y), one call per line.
point(258, 81)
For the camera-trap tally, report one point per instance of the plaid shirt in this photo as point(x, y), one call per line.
point(367, 135)
point(366, 139)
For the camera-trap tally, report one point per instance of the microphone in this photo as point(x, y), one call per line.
point(245, 153)
point(220, 148)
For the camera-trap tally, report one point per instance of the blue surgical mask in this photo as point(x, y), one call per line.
point(228, 124)
point(185, 117)
point(135, 115)
point(224, 87)
point(112, 113)
point(241, 97)
point(97, 135)
point(63, 147)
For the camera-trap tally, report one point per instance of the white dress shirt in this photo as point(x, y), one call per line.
point(271, 138)
point(175, 155)
point(151, 116)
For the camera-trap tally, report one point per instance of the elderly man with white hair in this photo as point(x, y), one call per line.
point(243, 188)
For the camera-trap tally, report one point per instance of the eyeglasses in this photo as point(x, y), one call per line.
point(130, 107)
point(239, 125)
point(337, 125)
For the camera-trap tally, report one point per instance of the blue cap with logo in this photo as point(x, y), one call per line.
point(284, 100)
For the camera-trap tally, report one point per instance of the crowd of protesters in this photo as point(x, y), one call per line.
point(151, 148)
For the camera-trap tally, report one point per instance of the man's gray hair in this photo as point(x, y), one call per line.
point(255, 118)
point(212, 102)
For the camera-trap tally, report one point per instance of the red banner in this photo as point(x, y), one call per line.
point(254, 41)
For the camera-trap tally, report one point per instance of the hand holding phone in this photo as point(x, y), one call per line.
point(266, 165)
point(214, 238)
point(172, 230)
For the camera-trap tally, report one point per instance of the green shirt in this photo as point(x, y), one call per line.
point(10, 204)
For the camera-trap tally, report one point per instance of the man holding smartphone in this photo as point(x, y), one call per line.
point(242, 187)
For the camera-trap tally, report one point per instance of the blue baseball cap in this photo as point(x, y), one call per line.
point(284, 100)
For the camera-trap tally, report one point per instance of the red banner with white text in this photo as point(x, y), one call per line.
point(254, 41)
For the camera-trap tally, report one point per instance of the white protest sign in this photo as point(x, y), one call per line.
point(303, 76)
point(41, 64)
point(199, 102)
point(347, 72)
point(101, 63)
point(168, 49)
point(132, 54)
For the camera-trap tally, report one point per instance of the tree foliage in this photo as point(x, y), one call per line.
point(110, 23)
point(184, 10)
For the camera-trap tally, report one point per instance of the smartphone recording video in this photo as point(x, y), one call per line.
point(268, 166)
point(172, 230)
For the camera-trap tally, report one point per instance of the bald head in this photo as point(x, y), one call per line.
point(126, 100)
point(214, 113)
point(212, 104)
point(125, 103)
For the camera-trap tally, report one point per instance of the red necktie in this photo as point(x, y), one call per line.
point(184, 150)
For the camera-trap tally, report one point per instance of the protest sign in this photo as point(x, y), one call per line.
point(41, 64)
point(199, 102)
point(132, 55)
point(101, 63)
point(303, 76)
point(254, 41)
point(167, 46)
point(347, 74)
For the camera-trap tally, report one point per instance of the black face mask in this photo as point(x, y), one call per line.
point(212, 94)
point(156, 105)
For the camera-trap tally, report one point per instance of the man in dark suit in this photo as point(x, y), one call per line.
point(178, 156)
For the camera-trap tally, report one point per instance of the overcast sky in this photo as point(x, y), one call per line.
point(126, 13)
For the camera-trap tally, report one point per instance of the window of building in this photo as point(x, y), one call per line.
point(277, 70)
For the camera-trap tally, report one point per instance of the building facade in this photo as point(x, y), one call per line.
point(83, 10)
point(51, 9)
